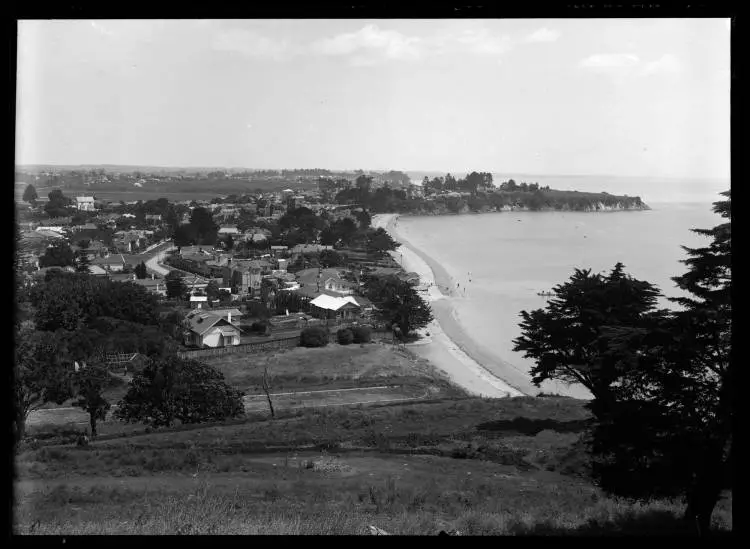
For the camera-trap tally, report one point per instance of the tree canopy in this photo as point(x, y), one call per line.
point(172, 388)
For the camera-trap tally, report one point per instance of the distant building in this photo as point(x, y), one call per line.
point(204, 329)
point(85, 203)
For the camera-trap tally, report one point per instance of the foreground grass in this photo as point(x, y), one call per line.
point(507, 466)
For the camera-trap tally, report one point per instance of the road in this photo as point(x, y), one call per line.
point(157, 255)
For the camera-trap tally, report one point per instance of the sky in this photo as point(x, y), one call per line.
point(624, 97)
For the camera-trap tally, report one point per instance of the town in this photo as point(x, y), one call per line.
point(257, 266)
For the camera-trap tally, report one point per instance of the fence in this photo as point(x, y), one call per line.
point(273, 344)
point(261, 346)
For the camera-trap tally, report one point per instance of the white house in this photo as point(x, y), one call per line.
point(335, 307)
point(205, 329)
point(85, 203)
point(229, 229)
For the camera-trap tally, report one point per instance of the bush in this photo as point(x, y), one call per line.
point(345, 336)
point(317, 336)
point(260, 326)
point(362, 334)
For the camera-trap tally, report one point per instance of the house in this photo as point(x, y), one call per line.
point(154, 285)
point(245, 276)
point(203, 329)
point(340, 308)
point(339, 285)
point(233, 316)
point(225, 230)
point(85, 203)
point(85, 227)
point(153, 218)
point(114, 263)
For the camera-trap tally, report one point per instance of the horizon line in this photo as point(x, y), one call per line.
point(406, 171)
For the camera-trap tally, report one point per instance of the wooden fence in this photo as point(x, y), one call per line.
point(270, 345)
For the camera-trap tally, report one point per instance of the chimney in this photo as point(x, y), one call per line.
point(229, 317)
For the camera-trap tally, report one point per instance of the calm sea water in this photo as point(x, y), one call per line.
point(503, 259)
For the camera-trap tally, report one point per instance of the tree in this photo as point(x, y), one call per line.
point(203, 225)
point(82, 262)
point(176, 288)
point(670, 433)
point(212, 290)
point(59, 254)
point(398, 303)
point(380, 241)
point(58, 204)
point(141, 271)
point(41, 375)
point(29, 194)
point(171, 388)
point(567, 338)
point(89, 383)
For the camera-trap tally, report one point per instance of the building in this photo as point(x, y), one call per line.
point(339, 308)
point(85, 203)
point(233, 316)
point(225, 230)
point(204, 329)
point(245, 277)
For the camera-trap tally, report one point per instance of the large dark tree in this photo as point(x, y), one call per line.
point(58, 204)
point(670, 432)
point(176, 287)
point(398, 303)
point(203, 224)
point(89, 383)
point(567, 339)
point(41, 374)
point(29, 194)
point(141, 271)
point(172, 388)
point(59, 254)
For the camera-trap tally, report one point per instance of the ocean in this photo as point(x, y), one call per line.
point(499, 261)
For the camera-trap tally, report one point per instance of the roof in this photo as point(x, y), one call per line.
point(84, 198)
point(235, 312)
point(333, 303)
point(228, 330)
point(200, 321)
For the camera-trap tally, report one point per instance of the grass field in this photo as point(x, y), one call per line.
point(512, 466)
point(507, 466)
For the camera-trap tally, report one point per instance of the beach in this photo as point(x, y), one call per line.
point(443, 341)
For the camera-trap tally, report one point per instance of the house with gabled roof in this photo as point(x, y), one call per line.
point(203, 329)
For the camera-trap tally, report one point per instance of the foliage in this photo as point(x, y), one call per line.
point(59, 254)
point(203, 227)
point(315, 336)
point(40, 374)
point(398, 303)
point(89, 384)
point(176, 287)
point(670, 431)
point(29, 194)
point(72, 300)
point(345, 336)
point(82, 262)
point(172, 388)
point(361, 334)
point(58, 205)
point(140, 271)
point(379, 241)
point(262, 326)
point(568, 339)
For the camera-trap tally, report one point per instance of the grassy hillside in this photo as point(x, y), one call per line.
point(511, 466)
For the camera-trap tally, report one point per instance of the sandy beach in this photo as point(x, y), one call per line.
point(443, 343)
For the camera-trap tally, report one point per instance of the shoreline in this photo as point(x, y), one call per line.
point(444, 343)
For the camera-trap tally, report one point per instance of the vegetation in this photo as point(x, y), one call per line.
point(398, 303)
point(60, 254)
point(29, 194)
point(89, 384)
point(661, 380)
point(315, 336)
point(172, 388)
point(361, 334)
point(344, 336)
point(176, 287)
point(140, 270)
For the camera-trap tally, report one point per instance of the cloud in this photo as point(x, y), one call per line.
point(252, 44)
point(477, 41)
point(666, 63)
point(610, 61)
point(543, 35)
point(369, 45)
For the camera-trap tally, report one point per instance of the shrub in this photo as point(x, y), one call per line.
point(260, 326)
point(362, 334)
point(344, 336)
point(316, 336)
